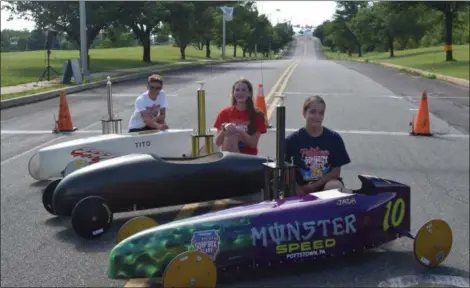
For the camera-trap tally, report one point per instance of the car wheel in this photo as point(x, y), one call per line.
point(91, 217)
point(74, 166)
point(48, 194)
point(134, 226)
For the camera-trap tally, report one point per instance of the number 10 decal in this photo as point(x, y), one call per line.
point(391, 212)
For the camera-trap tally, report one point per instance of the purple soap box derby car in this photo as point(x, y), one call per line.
point(275, 231)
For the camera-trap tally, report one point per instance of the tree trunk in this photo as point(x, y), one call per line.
point(208, 48)
point(244, 52)
point(183, 52)
point(234, 50)
point(359, 50)
point(146, 46)
point(390, 47)
point(448, 24)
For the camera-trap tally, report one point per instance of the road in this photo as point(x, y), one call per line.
point(369, 105)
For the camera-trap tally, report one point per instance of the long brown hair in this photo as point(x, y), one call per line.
point(250, 106)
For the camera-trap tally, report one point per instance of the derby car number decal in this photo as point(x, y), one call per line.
point(93, 154)
point(392, 215)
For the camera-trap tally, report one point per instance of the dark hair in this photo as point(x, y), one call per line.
point(250, 106)
point(155, 78)
point(311, 100)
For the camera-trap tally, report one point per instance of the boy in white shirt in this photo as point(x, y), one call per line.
point(150, 107)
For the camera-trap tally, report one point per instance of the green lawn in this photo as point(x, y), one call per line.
point(25, 67)
point(430, 59)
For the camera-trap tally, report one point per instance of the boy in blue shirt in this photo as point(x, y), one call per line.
point(318, 152)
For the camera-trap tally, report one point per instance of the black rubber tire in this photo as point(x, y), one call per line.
point(47, 195)
point(91, 217)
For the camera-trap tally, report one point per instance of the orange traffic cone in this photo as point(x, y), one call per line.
point(261, 104)
point(421, 125)
point(64, 124)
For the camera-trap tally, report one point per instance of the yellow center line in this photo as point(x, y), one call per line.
point(275, 86)
point(280, 91)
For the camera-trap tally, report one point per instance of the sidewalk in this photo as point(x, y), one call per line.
point(42, 84)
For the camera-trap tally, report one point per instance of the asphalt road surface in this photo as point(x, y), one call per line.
point(370, 106)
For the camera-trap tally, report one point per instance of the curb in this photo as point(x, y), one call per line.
point(19, 101)
point(453, 80)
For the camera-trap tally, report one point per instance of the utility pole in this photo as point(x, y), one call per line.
point(227, 16)
point(83, 38)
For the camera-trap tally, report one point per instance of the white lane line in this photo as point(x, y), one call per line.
point(6, 161)
point(426, 280)
point(356, 132)
point(78, 94)
point(32, 132)
point(359, 94)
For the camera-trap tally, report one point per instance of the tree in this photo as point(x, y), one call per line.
point(384, 25)
point(64, 16)
point(345, 12)
point(182, 21)
point(144, 18)
point(36, 40)
point(447, 8)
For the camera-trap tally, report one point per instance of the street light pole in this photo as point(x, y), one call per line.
point(223, 36)
point(226, 16)
point(83, 38)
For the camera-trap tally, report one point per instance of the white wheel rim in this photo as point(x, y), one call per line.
point(74, 166)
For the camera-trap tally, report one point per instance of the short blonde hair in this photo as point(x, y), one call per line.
point(155, 78)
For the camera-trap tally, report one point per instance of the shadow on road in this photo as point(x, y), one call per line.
point(357, 270)
point(107, 241)
point(40, 184)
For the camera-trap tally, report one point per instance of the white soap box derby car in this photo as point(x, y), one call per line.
point(61, 159)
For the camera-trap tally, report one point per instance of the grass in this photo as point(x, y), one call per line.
point(33, 91)
point(431, 59)
point(24, 67)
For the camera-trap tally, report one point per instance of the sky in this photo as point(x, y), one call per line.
point(299, 12)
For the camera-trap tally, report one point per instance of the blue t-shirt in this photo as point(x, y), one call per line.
point(315, 156)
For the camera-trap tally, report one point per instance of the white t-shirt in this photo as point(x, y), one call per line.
point(143, 102)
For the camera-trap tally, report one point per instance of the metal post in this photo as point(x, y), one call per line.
point(195, 145)
point(223, 36)
point(292, 180)
point(280, 148)
point(83, 39)
point(201, 110)
point(110, 124)
point(201, 131)
point(280, 135)
point(109, 98)
point(209, 143)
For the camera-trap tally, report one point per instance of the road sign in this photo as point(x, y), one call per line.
point(228, 13)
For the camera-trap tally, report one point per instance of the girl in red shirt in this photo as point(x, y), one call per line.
point(240, 125)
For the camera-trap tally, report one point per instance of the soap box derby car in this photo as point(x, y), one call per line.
point(61, 159)
point(275, 232)
point(145, 181)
